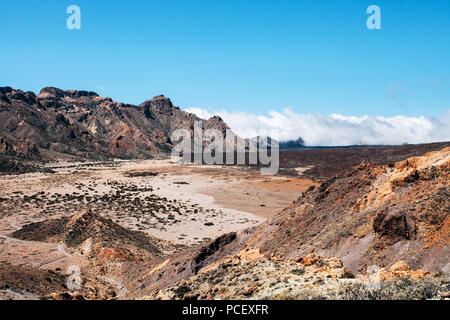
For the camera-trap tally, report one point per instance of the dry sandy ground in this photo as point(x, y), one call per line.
point(182, 203)
point(260, 196)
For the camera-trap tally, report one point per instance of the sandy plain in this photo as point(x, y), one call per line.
point(182, 203)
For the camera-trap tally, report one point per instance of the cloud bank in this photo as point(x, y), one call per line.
point(336, 129)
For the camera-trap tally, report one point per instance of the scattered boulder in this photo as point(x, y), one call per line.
point(400, 267)
point(394, 224)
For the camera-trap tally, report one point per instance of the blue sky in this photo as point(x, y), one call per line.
point(240, 56)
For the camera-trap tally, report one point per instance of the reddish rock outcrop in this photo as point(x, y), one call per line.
point(83, 124)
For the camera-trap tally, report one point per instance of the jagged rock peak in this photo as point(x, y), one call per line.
point(58, 93)
point(160, 97)
point(217, 122)
point(158, 100)
point(216, 118)
point(4, 90)
point(160, 104)
point(7, 93)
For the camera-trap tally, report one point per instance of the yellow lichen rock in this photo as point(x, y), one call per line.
point(400, 268)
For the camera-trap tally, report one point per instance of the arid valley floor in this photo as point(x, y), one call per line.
point(179, 203)
point(155, 229)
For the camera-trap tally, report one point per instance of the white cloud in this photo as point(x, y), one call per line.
point(336, 129)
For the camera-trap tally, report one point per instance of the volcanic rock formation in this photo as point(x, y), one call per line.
point(83, 124)
point(371, 215)
point(104, 235)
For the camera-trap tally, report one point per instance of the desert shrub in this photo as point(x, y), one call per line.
point(403, 288)
point(439, 274)
point(442, 277)
point(306, 294)
point(299, 271)
point(180, 291)
point(348, 275)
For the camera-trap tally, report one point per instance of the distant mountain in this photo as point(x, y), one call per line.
point(293, 144)
point(268, 142)
point(263, 142)
point(82, 124)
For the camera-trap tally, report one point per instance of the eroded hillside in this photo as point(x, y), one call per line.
point(371, 215)
point(378, 232)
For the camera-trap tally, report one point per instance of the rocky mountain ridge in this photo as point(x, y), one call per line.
point(81, 124)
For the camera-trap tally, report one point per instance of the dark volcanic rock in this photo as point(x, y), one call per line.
point(394, 224)
point(160, 105)
point(85, 125)
point(31, 279)
point(87, 225)
point(212, 248)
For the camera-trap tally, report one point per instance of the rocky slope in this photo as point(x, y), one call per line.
point(100, 248)
point(321, 164)
point(371, 215)
point(85, 125)
point(377, 232)
point(88, 228)
point(251, 275)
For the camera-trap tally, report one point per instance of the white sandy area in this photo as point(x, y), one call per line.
point(227, 220)
point(187, 228)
